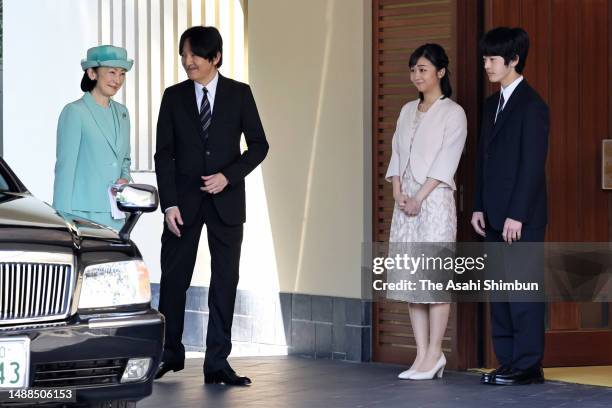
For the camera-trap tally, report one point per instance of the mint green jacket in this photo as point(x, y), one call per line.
point(88, 159)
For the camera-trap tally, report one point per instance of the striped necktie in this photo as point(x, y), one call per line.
point(500, 107)
point(205, 114)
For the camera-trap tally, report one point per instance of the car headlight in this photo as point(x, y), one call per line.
point(115, 284)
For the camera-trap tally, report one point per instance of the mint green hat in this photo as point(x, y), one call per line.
point(107, 56)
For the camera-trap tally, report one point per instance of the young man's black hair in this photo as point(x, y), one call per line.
point(507, 43)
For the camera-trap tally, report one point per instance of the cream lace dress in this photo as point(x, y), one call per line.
point(436, 222)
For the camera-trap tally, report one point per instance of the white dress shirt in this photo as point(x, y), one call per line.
point(211, 87)
point(507, 92)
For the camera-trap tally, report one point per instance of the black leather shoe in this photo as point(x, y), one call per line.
point(164, 367)
point(533, 375)
point(228, 377)
point(487, 378)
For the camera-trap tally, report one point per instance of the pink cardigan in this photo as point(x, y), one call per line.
point(437, 143)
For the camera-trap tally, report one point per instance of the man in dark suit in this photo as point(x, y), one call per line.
point(510, 195)
point(200, 174)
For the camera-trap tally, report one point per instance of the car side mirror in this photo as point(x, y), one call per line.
point(135, 199)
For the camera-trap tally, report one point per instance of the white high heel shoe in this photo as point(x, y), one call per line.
point(436, 371)
point(405, 375)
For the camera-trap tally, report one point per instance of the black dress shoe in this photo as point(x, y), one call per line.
point(487, 378)
point(164, 367)
point(228, 377)
point(533, 375)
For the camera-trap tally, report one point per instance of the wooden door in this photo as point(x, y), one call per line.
point(570, 65)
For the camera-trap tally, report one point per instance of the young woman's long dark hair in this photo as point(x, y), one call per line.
point(435, 54)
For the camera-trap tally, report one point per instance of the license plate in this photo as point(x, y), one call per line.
point(14, 362)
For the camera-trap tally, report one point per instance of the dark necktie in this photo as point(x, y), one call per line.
point(205, 114)
point(500, 107)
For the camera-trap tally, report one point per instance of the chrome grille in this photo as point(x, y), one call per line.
point(34, 286)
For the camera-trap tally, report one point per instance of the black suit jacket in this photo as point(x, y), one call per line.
point(182, 156)
point(511, 164)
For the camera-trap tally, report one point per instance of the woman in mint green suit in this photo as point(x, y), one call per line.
point(93, 140)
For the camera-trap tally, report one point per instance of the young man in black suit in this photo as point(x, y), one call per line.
point(200, 175)
point(510, 195)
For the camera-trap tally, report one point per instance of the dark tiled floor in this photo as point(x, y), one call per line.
point(306, 383)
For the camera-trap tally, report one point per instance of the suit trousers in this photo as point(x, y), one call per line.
point(518, 327)
point(178, 257)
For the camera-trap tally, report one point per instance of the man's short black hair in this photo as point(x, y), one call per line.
point(205, 42)
point(508, 43)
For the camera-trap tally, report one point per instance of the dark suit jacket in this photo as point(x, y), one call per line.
point(510, 169)
point(182, 156)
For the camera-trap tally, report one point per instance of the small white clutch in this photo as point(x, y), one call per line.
point(115, 212)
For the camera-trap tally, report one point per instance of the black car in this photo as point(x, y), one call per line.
point(75, 310)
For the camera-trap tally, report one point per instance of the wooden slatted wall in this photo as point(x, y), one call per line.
point(399, 27)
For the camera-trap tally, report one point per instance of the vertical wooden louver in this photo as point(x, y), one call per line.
point(399, 27)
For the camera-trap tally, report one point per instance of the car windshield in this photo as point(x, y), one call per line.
point(8, 180)
point(4, 186)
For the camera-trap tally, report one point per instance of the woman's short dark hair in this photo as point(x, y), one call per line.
point(205, 42)
point(435, 54)
point(508, 43)
point(88, 84)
